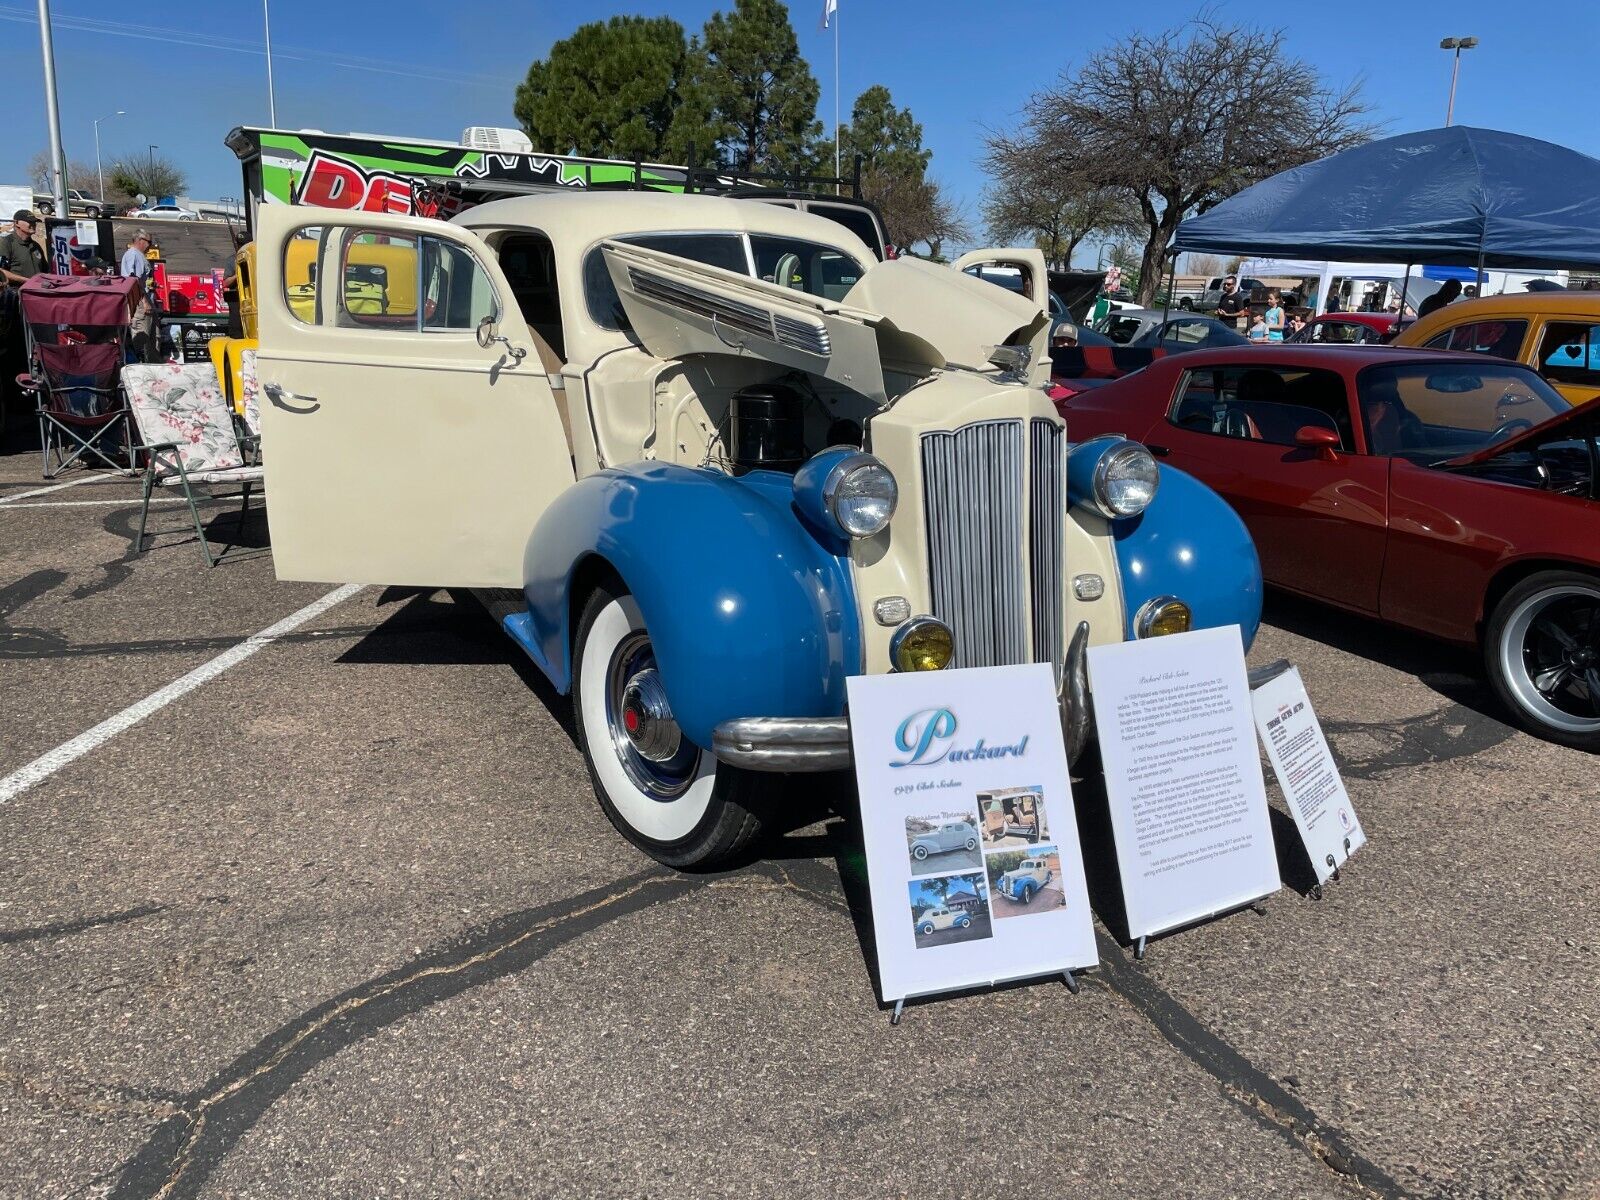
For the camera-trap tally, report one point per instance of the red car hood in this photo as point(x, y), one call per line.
point(1541, 430)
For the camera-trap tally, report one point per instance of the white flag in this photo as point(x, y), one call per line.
point(829, 7)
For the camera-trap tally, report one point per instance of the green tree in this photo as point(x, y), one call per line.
point(760, 95)
point(153, 175)
point(612, 89)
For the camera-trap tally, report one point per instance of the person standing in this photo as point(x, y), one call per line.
point(1445, 295)
point(21, 258)
point(136, 265)
point(1274, 316)
point(1232, 303)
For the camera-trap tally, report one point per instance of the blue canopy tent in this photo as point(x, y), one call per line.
point(1458, 196)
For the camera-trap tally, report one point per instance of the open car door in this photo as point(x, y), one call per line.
point(409, 431)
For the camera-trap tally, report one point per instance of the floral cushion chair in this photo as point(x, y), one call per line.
point(250, 407)
point(188, 436)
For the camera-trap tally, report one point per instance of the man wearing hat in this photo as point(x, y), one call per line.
point(21, 258)
point(136, 265)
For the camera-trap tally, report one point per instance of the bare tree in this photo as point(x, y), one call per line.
point(1031, 199)
point(915, 209)
point(1180, 120)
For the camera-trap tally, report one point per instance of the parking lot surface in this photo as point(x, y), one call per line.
point(341, 917)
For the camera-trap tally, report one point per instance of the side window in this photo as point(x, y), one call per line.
point(804, 266)
point(456, 293)
point(378, 281)
point(1262, 404)
point(723, 250)
point(528, 261)
point(300, 257)
point(1569, 352)
point(1498, 339)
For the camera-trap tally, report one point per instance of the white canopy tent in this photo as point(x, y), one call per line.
point(1422, 281)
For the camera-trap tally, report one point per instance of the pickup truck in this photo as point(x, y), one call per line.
point(707, 459)
point(79, 204)
point(1024, 881)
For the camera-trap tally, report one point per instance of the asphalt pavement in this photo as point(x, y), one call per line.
point(344, 919)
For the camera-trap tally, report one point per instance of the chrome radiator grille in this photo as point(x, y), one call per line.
point(1047, 510)
point(975, 497)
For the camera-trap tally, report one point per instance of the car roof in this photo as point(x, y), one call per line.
point(600, 214)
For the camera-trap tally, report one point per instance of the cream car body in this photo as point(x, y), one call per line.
point(557, 417)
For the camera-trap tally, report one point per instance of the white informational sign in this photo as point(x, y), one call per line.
point(1306, 772)
point(1183, 778)
point(971, 836)
point(88, 233)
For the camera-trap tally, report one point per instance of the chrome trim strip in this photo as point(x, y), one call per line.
point(1047, 513)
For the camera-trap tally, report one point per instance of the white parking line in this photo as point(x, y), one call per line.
point(62, 487)
point(49, 763)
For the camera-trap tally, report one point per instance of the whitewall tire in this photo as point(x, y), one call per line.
point(667, 796)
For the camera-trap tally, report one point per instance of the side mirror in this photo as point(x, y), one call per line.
point(489, 333)
point(1319, 438)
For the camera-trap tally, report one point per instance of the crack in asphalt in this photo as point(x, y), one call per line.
point(12, 937)
point(1241, 1081)
point(184, 1150)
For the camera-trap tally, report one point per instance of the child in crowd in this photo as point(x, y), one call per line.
point(1274, 317)
point(1258, 330)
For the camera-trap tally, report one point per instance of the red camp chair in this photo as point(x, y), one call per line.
point(78, 332)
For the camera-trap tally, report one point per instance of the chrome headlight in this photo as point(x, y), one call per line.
point(860, 495)
point(1160, 616)
point(1125, 480)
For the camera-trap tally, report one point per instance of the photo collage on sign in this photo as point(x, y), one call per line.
point(1022, 864)
point(973, 867)
point(949, 892)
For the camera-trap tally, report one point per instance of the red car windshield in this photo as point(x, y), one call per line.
point(1433, 411)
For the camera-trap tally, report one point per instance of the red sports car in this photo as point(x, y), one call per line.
point(1453, 495)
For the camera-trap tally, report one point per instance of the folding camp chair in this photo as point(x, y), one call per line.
point(188, 436)
point(77, 335)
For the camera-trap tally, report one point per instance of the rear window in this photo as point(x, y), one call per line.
point(857, 220)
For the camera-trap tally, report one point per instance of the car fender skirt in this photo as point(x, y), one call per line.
point(1190, 544)
point(750, 610)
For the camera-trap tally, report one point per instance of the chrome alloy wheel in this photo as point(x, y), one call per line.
point(1550, 656)
point(659, 760)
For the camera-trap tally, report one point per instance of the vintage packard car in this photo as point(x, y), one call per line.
point(936, 919)
point(722, 459)
point(952, 835)
point(1023, 881)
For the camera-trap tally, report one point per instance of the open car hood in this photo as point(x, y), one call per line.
point(902, 315)
point(1542, 430)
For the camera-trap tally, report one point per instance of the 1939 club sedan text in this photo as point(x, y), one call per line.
point(724, 465)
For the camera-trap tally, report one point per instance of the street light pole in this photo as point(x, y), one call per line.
point(58, 159)
point(98, 169)
point(1458, 44)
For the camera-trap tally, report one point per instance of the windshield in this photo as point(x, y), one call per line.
point(1427, 412)
point(808, 267)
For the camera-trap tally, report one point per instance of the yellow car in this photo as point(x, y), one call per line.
point(380, 281)
point(1556, 333)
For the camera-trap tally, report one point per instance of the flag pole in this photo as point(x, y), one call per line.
point(836, 174)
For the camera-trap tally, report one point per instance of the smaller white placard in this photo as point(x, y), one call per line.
point(88, 233)
point(971, 839)
point(1183, 778)
point(1306, 772)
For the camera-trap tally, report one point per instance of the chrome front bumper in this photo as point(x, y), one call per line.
point(796, 744)
point(823, 743)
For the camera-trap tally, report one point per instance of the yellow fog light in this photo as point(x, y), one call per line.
point(922, 644)
point(1161, 616)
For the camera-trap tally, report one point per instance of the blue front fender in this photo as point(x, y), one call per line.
point(751, 611)
point(1190, 544)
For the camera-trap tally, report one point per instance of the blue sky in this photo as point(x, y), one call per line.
point(186, 73)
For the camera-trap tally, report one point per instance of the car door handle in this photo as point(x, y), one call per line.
point(284, 399)
point(1158, 451)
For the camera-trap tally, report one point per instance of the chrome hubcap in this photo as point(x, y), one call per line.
point(1550, 656)
point(652, 749)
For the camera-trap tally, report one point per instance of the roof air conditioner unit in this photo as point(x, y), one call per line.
point(487, 137)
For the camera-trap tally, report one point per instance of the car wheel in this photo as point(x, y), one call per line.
point(1027, 892)
point(919, 852)
point(972, 843)
point(1186, 304)
point(1542, 654)
point(964, 922)
point(666, 795)
point(924, 929)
